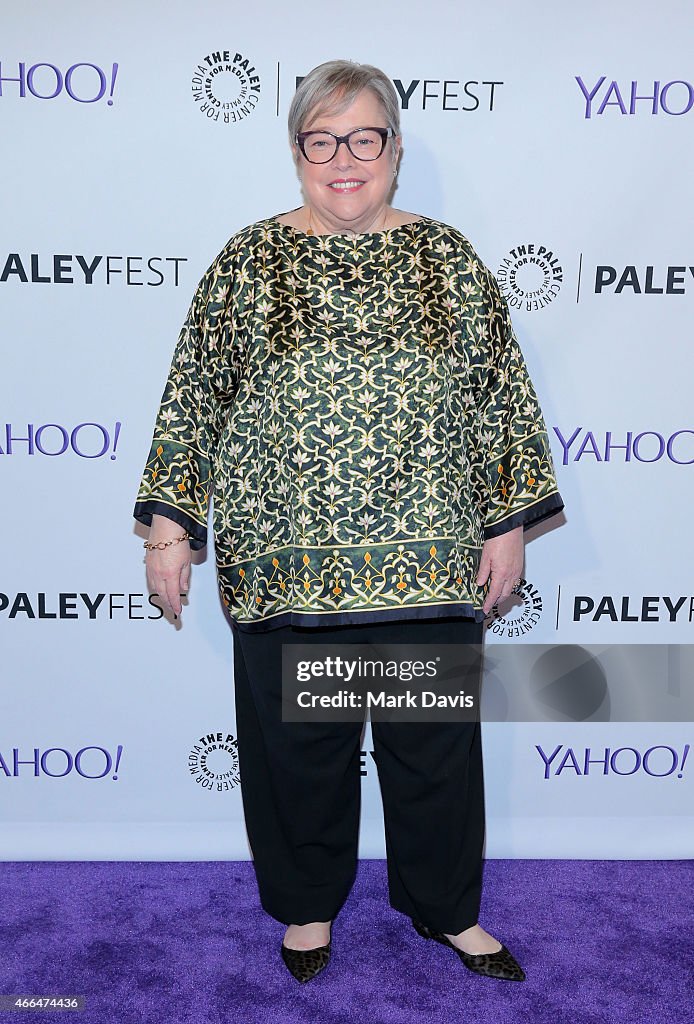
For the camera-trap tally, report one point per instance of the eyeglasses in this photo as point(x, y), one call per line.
point(363, 143)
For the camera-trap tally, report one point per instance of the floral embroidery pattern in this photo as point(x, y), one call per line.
point(361, 413)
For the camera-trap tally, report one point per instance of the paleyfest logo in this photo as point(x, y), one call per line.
point(649, 280)
point(227, 88)
point(81, 82)
point(77, 268)
point(449, 94)
point(530, 277)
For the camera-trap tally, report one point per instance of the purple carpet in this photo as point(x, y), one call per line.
point(600, 941)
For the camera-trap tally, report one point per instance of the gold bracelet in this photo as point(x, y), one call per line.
point(165, 543)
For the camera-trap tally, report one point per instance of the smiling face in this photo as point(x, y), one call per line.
point(348, 194)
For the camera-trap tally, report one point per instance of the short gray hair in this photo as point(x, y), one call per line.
point(334, 86)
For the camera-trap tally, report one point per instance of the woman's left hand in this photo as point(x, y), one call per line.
point(502, 557)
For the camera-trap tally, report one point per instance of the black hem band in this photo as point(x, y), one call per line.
point(329, 620)
point(528, 517)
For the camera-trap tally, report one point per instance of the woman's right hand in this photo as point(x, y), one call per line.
point(168, 569)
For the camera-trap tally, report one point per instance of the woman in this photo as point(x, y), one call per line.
point(348, 385)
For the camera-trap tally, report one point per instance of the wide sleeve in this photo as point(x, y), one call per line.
point(194, 406)
point(520, 478)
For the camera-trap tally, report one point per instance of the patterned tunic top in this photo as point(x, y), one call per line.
point(361, 414)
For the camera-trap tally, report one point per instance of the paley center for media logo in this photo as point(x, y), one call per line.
point(226, 86)
point(524, 612)
point(530, 276)
point(213, 762)
point(629, 99)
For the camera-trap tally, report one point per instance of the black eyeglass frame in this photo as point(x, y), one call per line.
point(385, 133)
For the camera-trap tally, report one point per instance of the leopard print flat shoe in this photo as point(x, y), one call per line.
point(305, 964)
point(501, 964)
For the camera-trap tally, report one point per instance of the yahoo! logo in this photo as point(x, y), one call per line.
point(47, 81)
point(88, 440)
point(680, 102)
point(646, 446)
point(57, 762)
point(658, 762)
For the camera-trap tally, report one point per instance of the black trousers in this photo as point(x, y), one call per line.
point(301, 789)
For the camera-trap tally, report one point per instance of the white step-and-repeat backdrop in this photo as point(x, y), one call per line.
point(137, 138)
